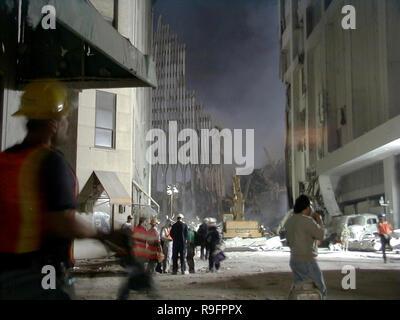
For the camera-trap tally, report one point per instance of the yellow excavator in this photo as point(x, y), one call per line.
point(234, 223)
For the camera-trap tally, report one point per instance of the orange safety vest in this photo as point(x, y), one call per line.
point(385, 228)
point(140, 237)
point(23, 213)
point(153, 244)
point(23, 222)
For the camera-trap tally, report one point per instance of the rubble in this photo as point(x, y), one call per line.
point(365, 245)
point(254, 244)
point(273, 243)
point(240, 242)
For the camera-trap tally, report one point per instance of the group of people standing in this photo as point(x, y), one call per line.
point(175, 244)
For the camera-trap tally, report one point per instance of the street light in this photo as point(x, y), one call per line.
point(171, 190)
point(384, 204)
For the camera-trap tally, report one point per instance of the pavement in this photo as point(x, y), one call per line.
point(249, 276)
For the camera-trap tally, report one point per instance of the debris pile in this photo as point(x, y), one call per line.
point(365, 245)
point(254, 244)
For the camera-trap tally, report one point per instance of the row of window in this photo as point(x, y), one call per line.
point(162, 110)
point(106, 108)
point(160, 122)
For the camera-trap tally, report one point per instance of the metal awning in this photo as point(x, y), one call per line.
point(84, 50)
point(108, 182)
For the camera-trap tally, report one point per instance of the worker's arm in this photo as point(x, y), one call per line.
point(67, 224)
point(60, 193)
point(390, 228)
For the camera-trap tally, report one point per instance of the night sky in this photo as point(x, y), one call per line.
point(233, 64)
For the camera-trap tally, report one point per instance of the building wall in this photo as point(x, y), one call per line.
point(133, 118)
point(12, 129)
point(393, 55)
point(140, 34)
point(350, 87)
point(90, 158)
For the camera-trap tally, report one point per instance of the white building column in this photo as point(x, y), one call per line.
point(328, 185)
point(392, 188)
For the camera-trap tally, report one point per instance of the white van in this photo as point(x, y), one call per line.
point(362, 226)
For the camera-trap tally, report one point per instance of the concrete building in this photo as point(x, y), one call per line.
point(343, 104)
point(102, 49)
point(112, 123)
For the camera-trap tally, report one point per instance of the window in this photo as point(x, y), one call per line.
point(105, 119)
point(372, 221)
point(357, 221)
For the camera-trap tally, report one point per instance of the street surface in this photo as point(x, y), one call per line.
point(257, 276)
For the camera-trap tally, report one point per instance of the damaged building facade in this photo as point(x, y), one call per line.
point(343, 104)
point(201, 186)
point(102, 50)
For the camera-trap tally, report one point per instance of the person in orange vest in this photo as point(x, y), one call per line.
point(139, 237)
point(138, 278)
point(385, 231)
point(153, 245)
point(38, 200)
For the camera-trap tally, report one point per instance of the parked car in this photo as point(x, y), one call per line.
point(362, 226)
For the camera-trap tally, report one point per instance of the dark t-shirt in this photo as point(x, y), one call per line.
point(57, 180)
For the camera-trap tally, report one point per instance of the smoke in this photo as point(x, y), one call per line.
point(233, 64)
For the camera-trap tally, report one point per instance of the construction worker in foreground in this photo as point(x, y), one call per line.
point(38, 202)
point(385, 230)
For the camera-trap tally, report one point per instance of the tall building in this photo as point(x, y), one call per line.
point(343, 104)
point(173, 102)
point(101, 49)
point(113, 123)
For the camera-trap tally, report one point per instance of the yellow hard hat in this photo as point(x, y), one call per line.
point(44, 99)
